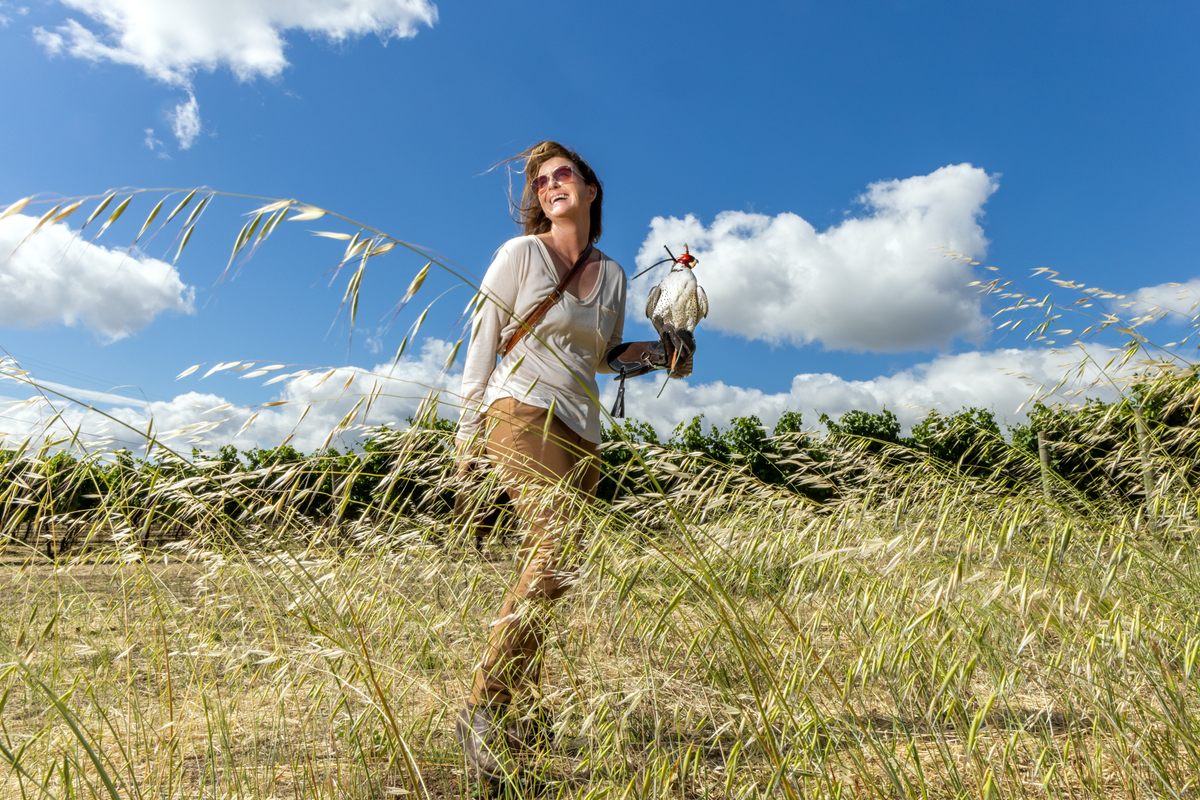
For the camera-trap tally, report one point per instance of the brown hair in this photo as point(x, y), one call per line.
point(529, 213)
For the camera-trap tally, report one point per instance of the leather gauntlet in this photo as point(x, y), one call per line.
point(673, 351)
point(636, 358)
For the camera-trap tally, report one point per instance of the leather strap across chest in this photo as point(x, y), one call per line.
point(536, 315)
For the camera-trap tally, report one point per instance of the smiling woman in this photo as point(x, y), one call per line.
point(552, 308)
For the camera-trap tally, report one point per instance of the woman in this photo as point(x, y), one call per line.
point(534, 415)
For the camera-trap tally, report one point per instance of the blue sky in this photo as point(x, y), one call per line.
point(820, 158)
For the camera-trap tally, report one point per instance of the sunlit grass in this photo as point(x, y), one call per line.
point(950, 640)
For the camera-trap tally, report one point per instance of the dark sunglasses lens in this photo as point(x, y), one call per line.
point(563, 174)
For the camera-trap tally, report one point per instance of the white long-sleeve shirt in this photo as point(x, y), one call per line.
point(553, 366)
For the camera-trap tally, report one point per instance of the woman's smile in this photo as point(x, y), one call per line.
point(560, 190)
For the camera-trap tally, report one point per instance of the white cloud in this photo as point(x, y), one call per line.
point(309, 406)
point(152, 142)
point(185, 122)
point(880, 282)
point(315, 401)
point(1169, 299)
point(56, 277)
point(170, 40)
point(52, 42)
point(7, 8)
point(1003, 381)
point(63, 391)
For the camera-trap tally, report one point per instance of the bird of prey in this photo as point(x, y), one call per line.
point(677, 304)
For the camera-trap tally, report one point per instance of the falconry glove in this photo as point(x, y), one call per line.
point(636, 358)
point(631, 359)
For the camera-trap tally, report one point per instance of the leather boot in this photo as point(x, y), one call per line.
point(485, 742)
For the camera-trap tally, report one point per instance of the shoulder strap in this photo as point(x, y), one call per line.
point(536, 315)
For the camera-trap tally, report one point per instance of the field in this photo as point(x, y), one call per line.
point(936, 638)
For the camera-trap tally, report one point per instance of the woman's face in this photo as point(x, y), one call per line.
point(564, 194)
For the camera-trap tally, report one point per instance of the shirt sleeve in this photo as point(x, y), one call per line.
point(618, 331)
point(493, 310)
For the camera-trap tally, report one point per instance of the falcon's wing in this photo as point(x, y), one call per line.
point(652, 301)
point(702, 299)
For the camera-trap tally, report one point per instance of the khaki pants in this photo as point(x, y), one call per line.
point(548, 471)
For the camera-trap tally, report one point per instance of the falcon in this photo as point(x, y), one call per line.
point(677, 304)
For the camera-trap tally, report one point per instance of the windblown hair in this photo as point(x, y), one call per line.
point(529, 213)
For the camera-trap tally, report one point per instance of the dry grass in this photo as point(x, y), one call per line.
point(950, 645)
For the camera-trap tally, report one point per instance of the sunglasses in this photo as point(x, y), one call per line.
point(564, 174)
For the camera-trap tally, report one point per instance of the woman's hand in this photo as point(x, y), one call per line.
point(468, 457)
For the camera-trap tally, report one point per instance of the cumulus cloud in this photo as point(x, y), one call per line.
point(1003, 381)
point(308, 407)
point(877, 282)
point(185, 122)
point(170, 40)
point(55, 277)
point(1177, 300)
